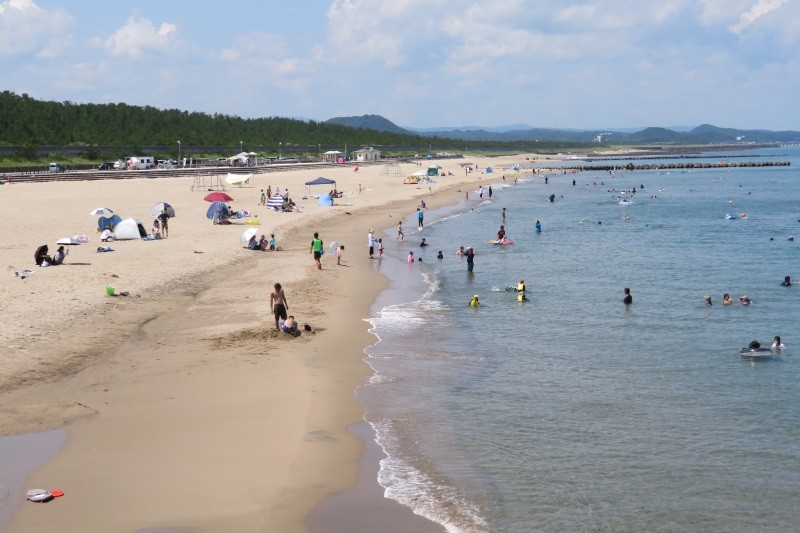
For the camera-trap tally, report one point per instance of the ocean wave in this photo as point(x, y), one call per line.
point(437, 501)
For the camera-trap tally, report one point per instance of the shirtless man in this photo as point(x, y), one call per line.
point(278, 304)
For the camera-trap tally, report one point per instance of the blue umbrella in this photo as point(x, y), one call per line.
point(214, 208)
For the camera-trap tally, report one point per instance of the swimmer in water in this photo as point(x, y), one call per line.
point(708, 300)
point(726, 299)
point(474, 302)
point(538, 227)
point(460, 250)
point(777, 344)
point(440, 255)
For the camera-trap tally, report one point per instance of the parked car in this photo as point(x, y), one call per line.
point(55, 167)
point(106, 166)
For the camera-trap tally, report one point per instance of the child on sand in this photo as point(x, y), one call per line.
point(339, 252)
point(380, 248)
point(410, 258)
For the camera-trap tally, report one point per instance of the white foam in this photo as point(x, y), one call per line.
point(414, 489)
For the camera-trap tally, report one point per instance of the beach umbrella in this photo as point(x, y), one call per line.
point(214, 208)
point(101, 211)
point(217, 196)
point(161, 206)
point(247, 235)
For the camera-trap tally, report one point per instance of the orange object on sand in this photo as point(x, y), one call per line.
point(56, 493)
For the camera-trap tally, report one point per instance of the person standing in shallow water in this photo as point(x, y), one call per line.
point(628, 299)
point(470, 253)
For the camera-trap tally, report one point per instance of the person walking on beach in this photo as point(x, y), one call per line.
point(628, 299)
point(470, 253)
point(420, 216)
point(278, 305)
point(371, 243)
point(380, 248)
point(400, 234)
point(269, 191)
point(339, 254)
point(316, 249)
point(263, 199)
point(490, 191)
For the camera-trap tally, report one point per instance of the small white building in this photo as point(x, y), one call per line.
point(367, 154)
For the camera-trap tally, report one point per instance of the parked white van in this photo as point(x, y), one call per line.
point(141, 162)
point(55, 167)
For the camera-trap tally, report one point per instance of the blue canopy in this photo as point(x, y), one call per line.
point(215, 207)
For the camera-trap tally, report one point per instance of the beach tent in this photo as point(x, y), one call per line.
point(433, 170)
point(237, 179)
point(128, 229)
point(325, 200)
point(214, 208)
point(319, 181)
point(411, 180)
point(489, 170)
point(108, 222)
point(275, 201)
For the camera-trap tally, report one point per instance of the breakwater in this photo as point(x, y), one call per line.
point(674, 166)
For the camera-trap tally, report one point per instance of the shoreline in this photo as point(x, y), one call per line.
point(122, 378)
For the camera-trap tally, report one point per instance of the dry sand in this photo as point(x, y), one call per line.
point(184, 408)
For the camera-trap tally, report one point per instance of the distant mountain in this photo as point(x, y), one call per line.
point(370, 122)
point(703, 134)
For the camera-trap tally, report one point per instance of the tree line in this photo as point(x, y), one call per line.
point(28, 123)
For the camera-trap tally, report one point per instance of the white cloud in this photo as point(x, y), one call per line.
point(139, 38)
point(27, 28)
point(760, 9)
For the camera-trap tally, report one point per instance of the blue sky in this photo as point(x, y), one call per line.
point(419, 63)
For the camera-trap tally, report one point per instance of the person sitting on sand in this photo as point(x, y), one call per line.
point(41, 257)
point(289, 325)
point(155, 231)
point(59, 257)
point(253, 243)
point(262, 243)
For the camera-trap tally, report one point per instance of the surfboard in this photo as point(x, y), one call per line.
point(503, 242)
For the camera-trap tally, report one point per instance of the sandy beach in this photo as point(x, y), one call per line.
point(184, 407)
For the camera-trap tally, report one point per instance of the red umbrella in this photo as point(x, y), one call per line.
point(217, 196)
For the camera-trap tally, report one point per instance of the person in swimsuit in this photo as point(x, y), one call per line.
point(726, 299)
point(501, 233)
point(628, 299)
point(278, 304)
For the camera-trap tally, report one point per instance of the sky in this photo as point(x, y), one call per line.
point(590, 64)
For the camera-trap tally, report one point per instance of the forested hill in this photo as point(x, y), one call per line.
point(27, 121)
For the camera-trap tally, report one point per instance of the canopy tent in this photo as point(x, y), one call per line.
point(331, 156)
point(433, 170)
point(237, 179)
point(319, 181)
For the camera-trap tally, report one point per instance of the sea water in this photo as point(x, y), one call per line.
point(573, 411)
